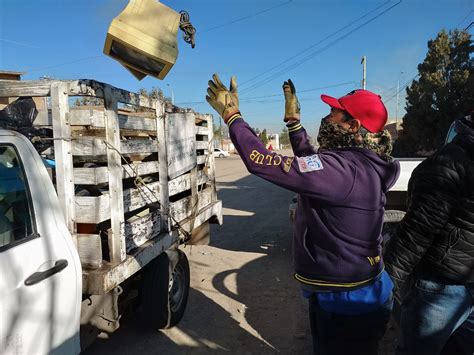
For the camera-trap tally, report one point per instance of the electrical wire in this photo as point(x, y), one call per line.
point(246, 17)
point(408, 82)
point(62, 64)
point(297, 64)
point(314, 45)
point(464, 19)
point(272, 95)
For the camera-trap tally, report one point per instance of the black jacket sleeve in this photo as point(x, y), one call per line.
point(433, 190)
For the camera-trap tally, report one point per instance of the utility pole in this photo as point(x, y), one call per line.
point(396, 110)
point(398, 99)
point(364, 67)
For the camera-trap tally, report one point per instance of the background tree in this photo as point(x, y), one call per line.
point(284, 138)
point(264, 137)
point(443, 93)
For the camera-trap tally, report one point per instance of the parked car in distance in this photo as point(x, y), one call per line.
point(220, 153)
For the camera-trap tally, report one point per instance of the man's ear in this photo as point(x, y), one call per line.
point(354, 125)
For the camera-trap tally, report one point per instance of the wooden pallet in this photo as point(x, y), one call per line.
point(144, 172)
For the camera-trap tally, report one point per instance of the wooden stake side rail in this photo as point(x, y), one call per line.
point(91, 144)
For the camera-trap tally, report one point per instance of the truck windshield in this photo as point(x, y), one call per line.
point(15, 217)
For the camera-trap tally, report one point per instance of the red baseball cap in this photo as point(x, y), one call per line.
point(363, 105)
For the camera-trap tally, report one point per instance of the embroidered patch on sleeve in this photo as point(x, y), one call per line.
point(310, 163)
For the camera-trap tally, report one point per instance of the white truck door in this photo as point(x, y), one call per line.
point(40, 271)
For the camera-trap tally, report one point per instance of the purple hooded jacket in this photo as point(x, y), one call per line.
point(341, 198)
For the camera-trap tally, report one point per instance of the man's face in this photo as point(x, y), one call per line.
point(337, 116)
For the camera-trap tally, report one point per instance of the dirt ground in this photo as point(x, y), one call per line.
point(243, 297)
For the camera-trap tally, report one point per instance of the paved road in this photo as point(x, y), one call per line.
point(243, 298)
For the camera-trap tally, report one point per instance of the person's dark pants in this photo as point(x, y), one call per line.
point(335, 334)
point(436, 316)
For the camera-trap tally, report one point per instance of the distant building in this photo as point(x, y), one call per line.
point(394, 128)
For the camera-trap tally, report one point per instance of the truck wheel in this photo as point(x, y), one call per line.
point(165, 291)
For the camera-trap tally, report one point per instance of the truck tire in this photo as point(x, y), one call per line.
point(165, 291)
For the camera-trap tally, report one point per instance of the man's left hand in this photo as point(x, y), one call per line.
point(225, 102)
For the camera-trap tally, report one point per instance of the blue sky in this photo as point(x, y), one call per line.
point(319, 40)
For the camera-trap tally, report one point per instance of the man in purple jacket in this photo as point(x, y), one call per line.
point(341, 196)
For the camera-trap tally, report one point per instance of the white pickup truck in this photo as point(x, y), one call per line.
point(97, 232)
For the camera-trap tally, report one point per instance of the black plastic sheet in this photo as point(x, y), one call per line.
point(19, 116)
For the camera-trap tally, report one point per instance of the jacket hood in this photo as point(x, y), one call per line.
point(388, 171)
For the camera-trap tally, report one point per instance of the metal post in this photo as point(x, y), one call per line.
point(364, 67)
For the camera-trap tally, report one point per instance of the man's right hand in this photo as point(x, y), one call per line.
point(292, 106)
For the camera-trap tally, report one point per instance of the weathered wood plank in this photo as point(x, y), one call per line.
point(202, 145)
point(141, 228)
point(95, 117)
point(180, 143)
point(86, 146)
point(202, 130)
point(101, 281)
point(83, 87)
point(89, 248)
point(183, 208)
point(210, 168)
point(62, 153)
point(96, 209)
point(163, 159)
point(116, 239)
point(183, 182)
point(100, 175)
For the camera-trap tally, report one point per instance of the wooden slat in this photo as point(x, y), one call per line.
point(114, 164)
point(141, 228)
point(62, 153)
point(100, 175)
point(183, 182)
point(202, 130)
point(95, 117)
point(201, 159)
point(202, 145)
point(89, 248)
point(183, 208)
point(211, 163)
point(86, 146)
point(97, 209)
point(83, 87)
point(163, 159)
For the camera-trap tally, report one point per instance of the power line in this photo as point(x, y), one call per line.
point(293, 66)
point(62, 64)
point(464, 19)
point(313, 45)
point(246, 17)
point(273, 95)
point(401, 89)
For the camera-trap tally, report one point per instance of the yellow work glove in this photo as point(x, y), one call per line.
point(292, 106)
point(225, 102)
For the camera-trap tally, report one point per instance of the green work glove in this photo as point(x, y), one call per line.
point(225, 102)
point(292, 106)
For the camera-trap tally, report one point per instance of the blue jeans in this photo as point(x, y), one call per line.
point(339, 334)
point(431, 312)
